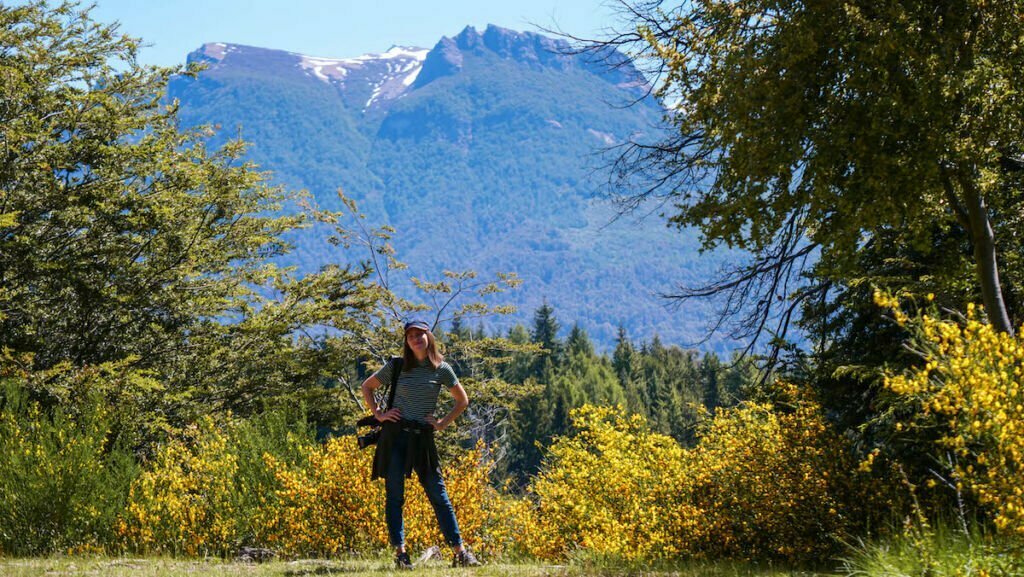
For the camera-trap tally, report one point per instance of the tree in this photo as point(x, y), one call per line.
point(106, 205)
point(590, 373)
point(626, 364)
point(710, 371)
point(481, 362)
point(129, 247)
point(545, 334)
point(518, 370)
point(674, 388)
point(126, 240)
point(801, 132)
point(545, 330)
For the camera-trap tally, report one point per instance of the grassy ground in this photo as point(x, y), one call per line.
point(160, 567)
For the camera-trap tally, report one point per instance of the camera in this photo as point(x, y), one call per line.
point(368, 439)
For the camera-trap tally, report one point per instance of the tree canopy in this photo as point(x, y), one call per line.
point(134, 247)
point(805, 131)
point(119, 232)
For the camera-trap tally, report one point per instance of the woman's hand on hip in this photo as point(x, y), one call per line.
point(438, 425)
point(394, 415)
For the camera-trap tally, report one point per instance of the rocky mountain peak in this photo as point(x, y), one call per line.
point(469, 39)
point(392, 73)
point(527, 47)
point(388, 74)
point(530, 48)
point(444, 59)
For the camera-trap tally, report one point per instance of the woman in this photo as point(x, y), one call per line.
point(406, 442)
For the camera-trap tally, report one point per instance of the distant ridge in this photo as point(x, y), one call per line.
point(484, 152)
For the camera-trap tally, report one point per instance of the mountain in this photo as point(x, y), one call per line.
point(483, 152)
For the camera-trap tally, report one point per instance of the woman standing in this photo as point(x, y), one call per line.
point(406, 442)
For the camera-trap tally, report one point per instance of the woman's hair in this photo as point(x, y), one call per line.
point(409, 358)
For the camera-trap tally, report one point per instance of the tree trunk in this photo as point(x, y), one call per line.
point(983, 239)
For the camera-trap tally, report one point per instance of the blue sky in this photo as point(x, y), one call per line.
point(339, 28)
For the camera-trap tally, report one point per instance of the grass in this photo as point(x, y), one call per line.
point(167, 567)
point(939, 551)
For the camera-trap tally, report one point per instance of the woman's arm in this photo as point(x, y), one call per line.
point(461, 402)
point(369, 385)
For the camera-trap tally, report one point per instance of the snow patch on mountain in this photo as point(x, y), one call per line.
point(324, 69)
point(390, 73)
point(337, 68)
point(410, 78)
point(216, 51)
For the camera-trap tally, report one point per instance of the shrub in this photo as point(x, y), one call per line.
point(776, 483)
point(184, 502)
point(265, 482)
point(614, 488)
point(286, 436)
point(970, 386)
point(325, 505)
point(329, 505)
point(65, 475)
point(760, 483)
point(208, 490)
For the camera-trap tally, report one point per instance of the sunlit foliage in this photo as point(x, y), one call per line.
point(64, 474)
point(614, 488)
point(763, 481)
point(971, 387)
point(195, 499)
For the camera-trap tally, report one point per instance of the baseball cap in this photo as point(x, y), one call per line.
point(417, 324)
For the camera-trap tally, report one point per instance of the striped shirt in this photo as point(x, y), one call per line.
point(418, 388)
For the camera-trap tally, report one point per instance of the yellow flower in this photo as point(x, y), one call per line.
point(971, 383)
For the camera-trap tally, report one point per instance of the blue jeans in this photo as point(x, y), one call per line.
point(433, 484)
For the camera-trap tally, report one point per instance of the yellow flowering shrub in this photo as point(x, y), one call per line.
point(63, 476)
point(972, 385)
point(772, 483)
point(759, 483)
point(330, 505)
point(613, 488)
point(484, 513)
point(194, 498)
point(185, 502)
point(327, 505)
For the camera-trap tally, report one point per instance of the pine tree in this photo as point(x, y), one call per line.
point(459, 330)
point(625, 363)
point(710, 371)
point(545, 332)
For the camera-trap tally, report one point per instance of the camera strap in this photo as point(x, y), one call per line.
point(396, 369)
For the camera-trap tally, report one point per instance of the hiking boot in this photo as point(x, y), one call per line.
point(402, 561)
point(465, 559)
